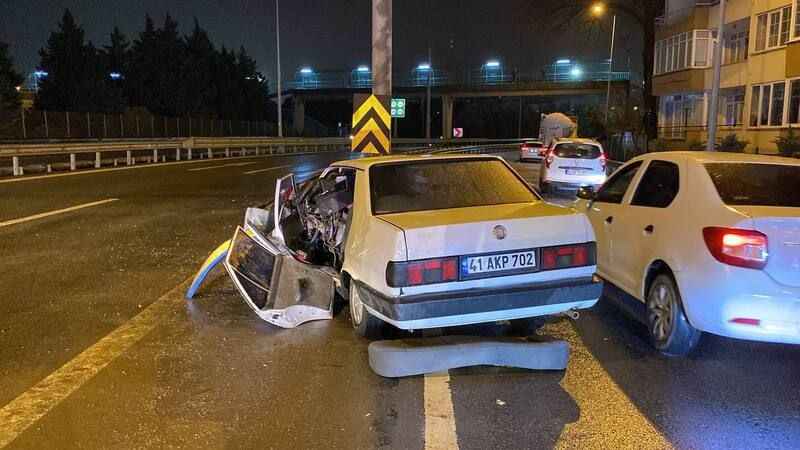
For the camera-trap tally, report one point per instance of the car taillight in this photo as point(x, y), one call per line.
point(736, 247)
point(523, 147)
point(562, 257)
point(426, 271)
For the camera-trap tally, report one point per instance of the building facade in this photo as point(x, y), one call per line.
point(760, 83)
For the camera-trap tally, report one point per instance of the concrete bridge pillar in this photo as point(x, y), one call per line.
point(447, 116)
point(299, 118)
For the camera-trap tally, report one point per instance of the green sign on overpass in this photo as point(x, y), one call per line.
point(398, 108)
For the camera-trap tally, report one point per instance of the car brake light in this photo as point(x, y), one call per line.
point(565, 256)
point(426, 271)
point(736, 247)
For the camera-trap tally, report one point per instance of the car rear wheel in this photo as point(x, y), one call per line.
point(365, 324)
point(671, 332)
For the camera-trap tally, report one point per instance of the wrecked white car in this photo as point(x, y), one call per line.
point(416, 242)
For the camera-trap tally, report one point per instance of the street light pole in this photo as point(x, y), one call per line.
point(428, 97)
point(713, 103)
point(278, 45)
point(610, 64)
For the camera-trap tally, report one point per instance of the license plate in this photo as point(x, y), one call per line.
point(574, 171)
point(503, 262)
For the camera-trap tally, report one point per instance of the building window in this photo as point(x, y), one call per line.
point(767, 105)
point(733, 107)
point(755, 100)
point(678, 113)
point(797, 19)
point(684, 50)
point(736, 47)
point(794, 102)
point(772, 28)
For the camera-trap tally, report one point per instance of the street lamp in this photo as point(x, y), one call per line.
point(599, 10)
point(362, 69)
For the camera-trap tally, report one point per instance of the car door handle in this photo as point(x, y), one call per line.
point(609, 219)
point(649, 229)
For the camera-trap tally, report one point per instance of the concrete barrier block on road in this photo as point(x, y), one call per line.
point(407, 357)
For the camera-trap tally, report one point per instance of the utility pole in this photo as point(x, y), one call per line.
point(278, 45)
point(713, 104)
point(610, 64)
point(382, 47)
point(428, 97)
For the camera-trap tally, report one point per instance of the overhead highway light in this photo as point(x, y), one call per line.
point(493, 63)
point(363, 69)
point(424, 66)
point(563, 61)
point(576, 72)
point(306, 70)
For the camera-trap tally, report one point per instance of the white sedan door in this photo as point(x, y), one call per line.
point(647, 225)
point(603, 213)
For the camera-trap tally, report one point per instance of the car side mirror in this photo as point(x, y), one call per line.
point(586, 193)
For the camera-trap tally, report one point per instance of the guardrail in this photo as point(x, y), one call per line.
point(63, 156)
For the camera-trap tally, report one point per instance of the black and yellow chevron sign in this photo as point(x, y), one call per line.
point(372, 124)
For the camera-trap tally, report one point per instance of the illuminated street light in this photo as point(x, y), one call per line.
point(492, 64)
point(306, 70)
point(363, 69)
point(598, 9)
point(40, 73)
point(576, 72)
point(563, 61)
point(424, 66)
point(115, 75)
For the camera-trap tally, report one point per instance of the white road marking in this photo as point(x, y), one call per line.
point(221, 166)
point(440, 420)
point(267, 169)
point(56, 212)
point(604, 407)
point(32, 405)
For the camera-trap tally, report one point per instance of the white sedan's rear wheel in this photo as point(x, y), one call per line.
point(365, 324)
point(671, 332)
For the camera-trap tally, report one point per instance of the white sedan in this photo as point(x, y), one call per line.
point(706, 242)
point(416, 242)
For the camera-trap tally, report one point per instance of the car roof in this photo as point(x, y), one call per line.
point(576, 141)
point(702, 157)
point(365, 163)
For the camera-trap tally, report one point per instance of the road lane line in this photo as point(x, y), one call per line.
point(220, 167)
point(604, 407)
point(36, 402)
point(266, 170)
point(56, 212)
point(440, 422)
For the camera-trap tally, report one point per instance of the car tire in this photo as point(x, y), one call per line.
point(526, 327)
point(365, 324)
point(670, 330)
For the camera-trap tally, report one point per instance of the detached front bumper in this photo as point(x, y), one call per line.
point(472, 306)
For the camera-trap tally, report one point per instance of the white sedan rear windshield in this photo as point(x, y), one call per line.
point(577, 151)
point(443, 184)
point(756, 184)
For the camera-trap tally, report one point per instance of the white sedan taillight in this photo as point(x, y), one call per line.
point(736, 247)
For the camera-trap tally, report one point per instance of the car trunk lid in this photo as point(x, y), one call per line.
point(475, 230)
point(782, 227)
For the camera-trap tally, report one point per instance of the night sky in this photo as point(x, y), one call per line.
point(329, 35)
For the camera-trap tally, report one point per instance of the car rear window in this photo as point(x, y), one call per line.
point(577, 151)
point(756, 184)
point(443, 184)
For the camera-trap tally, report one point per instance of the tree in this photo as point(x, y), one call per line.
point(199, 89)
point(66, 60)
point(564, 14)
point(9, 80)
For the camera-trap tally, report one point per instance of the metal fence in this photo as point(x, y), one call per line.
point(38, 124)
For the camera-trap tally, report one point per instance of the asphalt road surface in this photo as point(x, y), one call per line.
point(98, 348)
